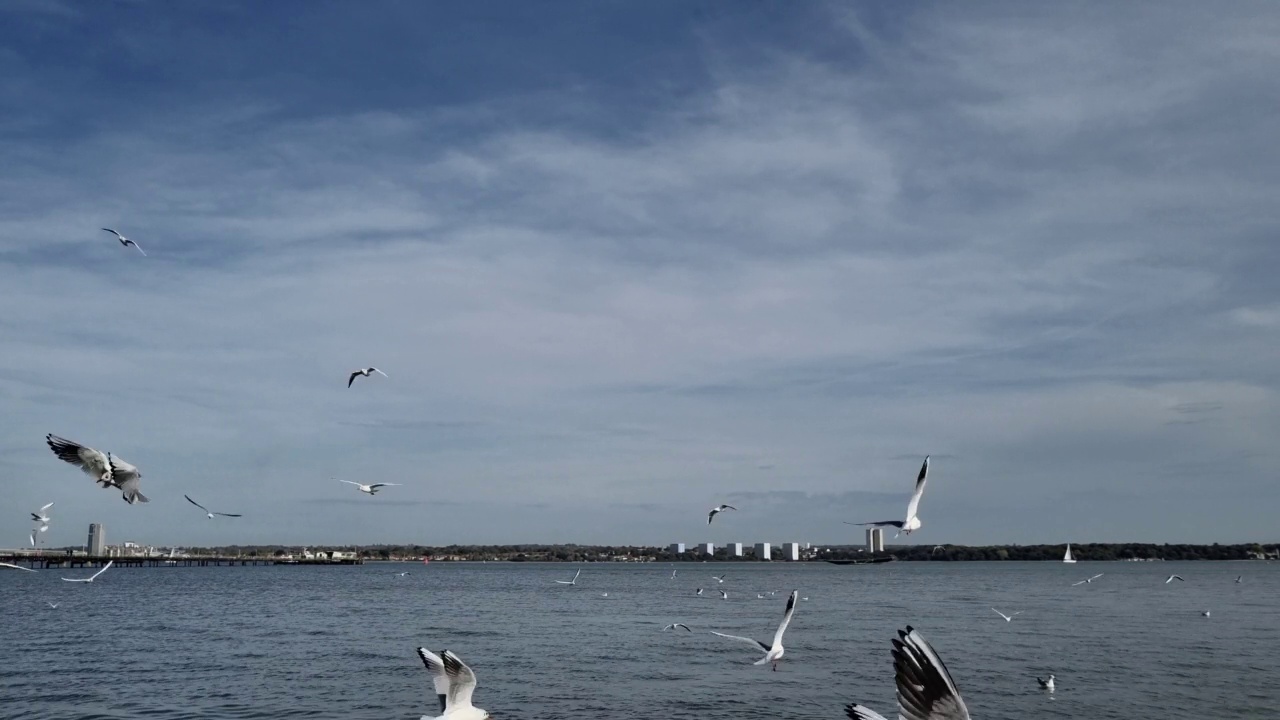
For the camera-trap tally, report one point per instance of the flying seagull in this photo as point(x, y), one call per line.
point(371, 489)
point(574, 581)
point(51, 604)
point(912, 522)
point(33, 537)
point(1205, 613)
point(718, 509)
point(673, 626)
point(772, 653)
point(42, 517)
point(108, 471)
point(11, 566)
point(364, 372)
point(208, 513)
point(1007, 618)
point(125, 241)
point(925, 688)
point(402, 574)
point(723, 595)
point(1046, 684)
point(462, 683)
point(439, 681)
point(673, 575)
point(719, 578)
point(699, 592)
point(1171, 578)
point(1238, 578)
point(91, 578)
point(1087, 580)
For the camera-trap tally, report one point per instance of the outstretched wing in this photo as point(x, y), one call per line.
point(882, 523)
point(786, 618)
point(681, 625)
point(113, 232)
point(462, 681)
point(858, 712)
point(11, 566)
point(353, 377)
point(925, 688)
point(435, 666)
point(193, 502)
point(104, 569)
point(228, 514)
point(753, 643)
point(920, 481)
point(92, 462)
point(126, 477)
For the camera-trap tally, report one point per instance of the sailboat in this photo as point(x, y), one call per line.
point(1067, 558)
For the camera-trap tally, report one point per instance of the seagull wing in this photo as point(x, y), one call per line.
point(135, 244)
point(228, 514)
point(712, 514)
point(45, 507)
point(1079, 583)
point(104, 569)
point(11, 566)
point(920, 481)
point(349, 482)
point(92, 462)
point(435, 666)
point(858, 712)
point(378, 485)
point(925, 688)
point(786, 618)
point(193, 502)
point(682, 625)
point(379, 372)
point(1095, 577)
point(126, 477)
point(462, 681)
point(728, 507)
point(353, 377)
point(1006, 617)
point(753, 643)
point(113, 232)
point(885, 523)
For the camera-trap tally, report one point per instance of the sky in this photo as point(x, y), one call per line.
point(625, 261)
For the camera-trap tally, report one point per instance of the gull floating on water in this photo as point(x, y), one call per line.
point(11, 566)
point(673, 626)
point(1007, 618)
point(1171, 578)
point(718, 509)
point(208, 513)
point(1087, 580)
point(1046, 684)
point(911, 522)
point(925, 688)
point(772, 653)
point(125, 241)
point(108, 470)
point(364, 372)
point(574, 581)
point(370, 489)
point(462, 683)
point(92, 577)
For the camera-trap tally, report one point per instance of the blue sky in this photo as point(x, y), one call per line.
point(626, 261)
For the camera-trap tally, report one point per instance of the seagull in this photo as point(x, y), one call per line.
point(759, 596)
point(91, 578)
point(439, 682)
point(673, 575)
point(1046, 684)
point(604, 594)
point(364, 372)
point(371, 489)
point(936, 548)
point(461, 683)
point(912, 522)
point(772, 653)
point(402, 574)
point(719, 578)
point(92, 462)
point(574, 581)
point(126, 477)
point(1238, 578)
point(1171, 578)
point(42, 517)
point(723, 595)
point(33, 538)
point(11, 566)
point(125, 241)
point(925, 688)
point(1007, 618)
point(718, 509)
point(699, 592)
point(51, 604)
point(1088, 580)
point(208, 513)
point(673, 626)
point(1205, 613)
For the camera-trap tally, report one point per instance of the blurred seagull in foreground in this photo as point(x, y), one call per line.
point(370, 489)
point(91, 577)
point(1007, 618)
point(911, 522)
point(208, 513)
point(364, 372)
point(718, 509)
point(125, 241)
point(925, 688)
point(772, 653)
point(462, 683)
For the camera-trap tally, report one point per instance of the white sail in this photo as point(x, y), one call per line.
point(1067, 558)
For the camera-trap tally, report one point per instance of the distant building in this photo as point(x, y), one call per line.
point(791, 551)
point(762, 551)
point(875, 540)
point(734, 549)
point(707, 548)
point(97, 540)
point(676, 549)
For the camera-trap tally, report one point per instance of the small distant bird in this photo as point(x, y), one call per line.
point(51, 604)
point(1046, 684)
point(716, 510)
point(1007, 618)
point(699, 592)
point(911, 522)
point(370, 489)
point(1171, 578)
point(207, 512)
point(805, 599)
point(759, 596)
point(1205, 613)
point(772, 653)
point(402, 574)
point(1238, 578)
point(604, 594)
point(462, 683)
point(937, 548)
point(125, 241)
point(364, 372)
point(42, 516)
point(574, 581)
point(719, 578)
point(1088, 580)
point(91, 578)
point(673, 575)
point(925, 688)
point(723, 595)
point(673, 626)
point(11, 566)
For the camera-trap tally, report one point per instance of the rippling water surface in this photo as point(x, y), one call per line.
point(338, 642)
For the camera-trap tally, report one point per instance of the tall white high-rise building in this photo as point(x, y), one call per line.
point(791, 551)
point(707, 548)
point(97, 541)
point(875, 540)
point(762, 551)
point(676, 548)
point(735, 549)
